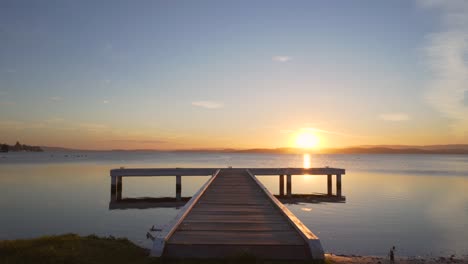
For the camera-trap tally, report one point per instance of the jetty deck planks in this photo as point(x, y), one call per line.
point(232, 217)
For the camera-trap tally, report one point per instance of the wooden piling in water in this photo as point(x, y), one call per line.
point(281, 185)
point(289, 185)
point(338, 185)
point(329, 184)
point(178, 187)
point(119, 188)
point(113, 189)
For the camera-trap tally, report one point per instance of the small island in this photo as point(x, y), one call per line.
point(18, 147)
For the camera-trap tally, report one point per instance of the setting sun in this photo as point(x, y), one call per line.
point(306, 140)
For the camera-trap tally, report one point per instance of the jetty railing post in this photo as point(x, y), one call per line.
point(113, 189)
point(338, 185)
point(281, 185)
point(289, 185)
point(329, 184)
point(119, 188)
point(178, 187)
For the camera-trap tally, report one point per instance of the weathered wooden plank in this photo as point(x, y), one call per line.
point(213, 208)
point(233, 197)
point(234, 215)
point(237, 237)
point(231, 191)
point(219, 251)
point(210, 171)
point(164, 172)
point(232, 207)
point(237, 220)
point(228, 218)
point(233, 210)
point(219, 210)
point(216, 226)
point(229, 203)
point(296, 171)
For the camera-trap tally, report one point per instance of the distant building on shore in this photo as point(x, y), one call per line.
point(19, 147)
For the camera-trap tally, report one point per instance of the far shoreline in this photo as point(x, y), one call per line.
point(371, 150)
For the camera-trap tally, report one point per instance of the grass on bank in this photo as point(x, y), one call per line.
point(71, 248)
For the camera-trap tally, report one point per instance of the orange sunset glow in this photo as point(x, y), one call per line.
point(297, 82)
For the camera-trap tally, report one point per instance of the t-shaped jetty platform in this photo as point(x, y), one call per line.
point(234, 214)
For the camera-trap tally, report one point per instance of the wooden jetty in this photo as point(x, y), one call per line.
point(233, 214)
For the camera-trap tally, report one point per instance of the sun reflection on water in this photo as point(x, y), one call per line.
point(306, 165)
point(306, 162)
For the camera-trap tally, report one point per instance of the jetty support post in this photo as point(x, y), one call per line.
point(289, 185)
point(113, 189)
point(119, 188)
point(281, 185)
point(338, 185)
point(329, 184)
point(178, 187)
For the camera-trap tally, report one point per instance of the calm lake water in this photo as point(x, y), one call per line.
point(419, 203)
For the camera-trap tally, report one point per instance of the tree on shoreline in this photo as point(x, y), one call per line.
point(19, 147)
point(4, 148)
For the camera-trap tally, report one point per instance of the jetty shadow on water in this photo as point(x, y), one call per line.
point(173, 202)
point(148, 203)
point(311, 198)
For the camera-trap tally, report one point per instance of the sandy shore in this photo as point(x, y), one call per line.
point(342, 259)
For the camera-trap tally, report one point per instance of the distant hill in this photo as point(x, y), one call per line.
point(399, 150)
point(424, 147)
point(365, 149)
point(387, 149)
point(439, 149)
point(52, 149)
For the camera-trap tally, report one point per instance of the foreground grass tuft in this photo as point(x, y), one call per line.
point(71, 249)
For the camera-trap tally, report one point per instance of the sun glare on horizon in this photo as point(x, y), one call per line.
point(306, 162)
point(306, 140)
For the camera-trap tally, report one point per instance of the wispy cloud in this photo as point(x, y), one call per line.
point(281, 58)
point(208, 104)
point(105, 101)
point(55, 98)
point(394, 117)
point(446, 53)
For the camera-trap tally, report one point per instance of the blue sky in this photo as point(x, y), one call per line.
point(177, 74)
